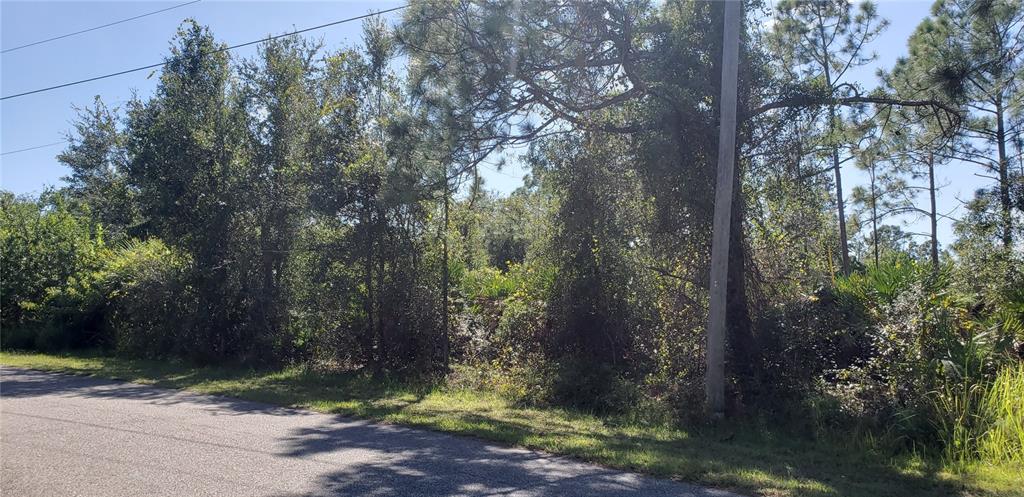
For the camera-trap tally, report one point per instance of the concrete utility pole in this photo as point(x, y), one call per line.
point(714, 379)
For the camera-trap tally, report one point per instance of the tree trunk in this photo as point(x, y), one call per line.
point(743, 353)
point(844, 248)
point(445, 277)
point(1004, 178)
point(840, 205)
point(874, 213)
point(934, 215)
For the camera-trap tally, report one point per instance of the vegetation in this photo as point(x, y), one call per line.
point(310, 227)
point(754, 459)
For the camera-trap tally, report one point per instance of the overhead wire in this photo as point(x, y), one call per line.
point(94, 28)
point(219, 50)
point(32, 148)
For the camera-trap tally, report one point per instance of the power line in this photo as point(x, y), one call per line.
point(55, 38)
point(219, 50)
point(32, 148)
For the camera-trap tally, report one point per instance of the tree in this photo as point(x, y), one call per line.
point(818, 43)
point(913, 145)
point(601, 306)
point(886, 195)
point(276, 92)
point(970, 52)
point(187, 160)
point(546, 68)
point(97, 158)
point(374, 182)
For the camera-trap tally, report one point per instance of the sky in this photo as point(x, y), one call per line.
point(45, 118)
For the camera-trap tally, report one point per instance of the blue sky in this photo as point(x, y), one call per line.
point(45, 118)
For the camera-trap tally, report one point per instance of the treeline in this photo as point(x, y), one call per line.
point(286, 215)
point(326, 207)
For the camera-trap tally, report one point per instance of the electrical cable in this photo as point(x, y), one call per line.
point(55, 38)
point(219, 50)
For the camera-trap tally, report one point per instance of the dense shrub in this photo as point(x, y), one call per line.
point(47, 252)
point(130, 300)
point(65, 287)
point(147, 298)
point(930, 360)
point(806, 340)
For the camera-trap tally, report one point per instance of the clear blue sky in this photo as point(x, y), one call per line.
point(44, 118)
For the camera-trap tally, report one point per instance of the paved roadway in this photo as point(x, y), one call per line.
point(67, 435)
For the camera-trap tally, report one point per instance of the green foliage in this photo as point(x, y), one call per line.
point(322, 208)
point(98, 185)
point(107, 297)
point(1003, 406)
point(933, 354)
point(146, 295)
point(982, 420)
point(47, 251)
point(881, 285)
point(489, 283)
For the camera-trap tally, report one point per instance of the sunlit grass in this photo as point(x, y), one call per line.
point(1003, 406)
point(742, 459)
point(983, 420)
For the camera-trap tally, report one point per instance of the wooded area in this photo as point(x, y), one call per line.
point(325, 206)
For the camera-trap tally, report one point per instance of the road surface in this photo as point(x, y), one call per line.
point(67, 435)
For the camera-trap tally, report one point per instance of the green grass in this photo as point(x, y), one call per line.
point(747, 461)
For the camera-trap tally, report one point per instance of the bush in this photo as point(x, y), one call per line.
point(48, 253)
point(72, 315)
point(928, 372)
point(808, 338)
point(65, 288)
point(147, 299)
point(488, 283)
point(131, 303)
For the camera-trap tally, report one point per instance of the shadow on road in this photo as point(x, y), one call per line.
point(398, 461)
point(422, 463)
point(21, 383)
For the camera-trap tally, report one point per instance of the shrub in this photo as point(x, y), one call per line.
point(881, 285)
point(86, 293)
point(928, 373)
point(804, 339)
point(488, 283)
point(144, 285)
point(72, 315)
point(48, 254)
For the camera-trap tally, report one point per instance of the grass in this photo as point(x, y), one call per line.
point(984, 420)
point(1003, 405)
point(749, 461)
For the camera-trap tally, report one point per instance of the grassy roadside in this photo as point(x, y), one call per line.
point(746, 461)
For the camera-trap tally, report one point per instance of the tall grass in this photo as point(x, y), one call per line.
point(1003, 406)
point(983, 421)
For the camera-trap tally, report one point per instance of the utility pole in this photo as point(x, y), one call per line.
point(714, 379)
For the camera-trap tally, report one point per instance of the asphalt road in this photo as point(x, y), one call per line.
point(66, 435)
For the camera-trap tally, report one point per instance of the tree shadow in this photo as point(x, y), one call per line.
point(407, 461)
point(413, 462)
point(16, 383)
point(783, 470)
